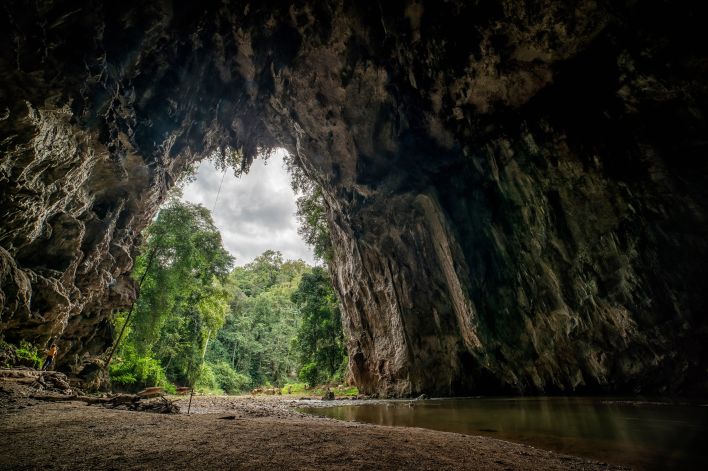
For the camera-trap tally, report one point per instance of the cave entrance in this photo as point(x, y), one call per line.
point(232, 295)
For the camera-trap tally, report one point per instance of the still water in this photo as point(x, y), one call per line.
point(639, 434)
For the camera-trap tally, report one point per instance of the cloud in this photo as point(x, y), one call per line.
point(255, 212)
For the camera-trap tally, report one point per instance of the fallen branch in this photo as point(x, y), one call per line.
point(131, 402)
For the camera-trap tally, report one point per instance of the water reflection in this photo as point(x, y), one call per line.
point(639, 434)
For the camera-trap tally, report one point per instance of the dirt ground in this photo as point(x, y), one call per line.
point(242, 432)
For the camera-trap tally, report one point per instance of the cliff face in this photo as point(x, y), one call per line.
point(516, 190)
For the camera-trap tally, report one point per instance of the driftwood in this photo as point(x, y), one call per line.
point(37, 379)
point(151, 392)
point(110, 400)
point(132, 402)
point(53, 398)
point(53, 386)
point(269, 391)
point(18, 380)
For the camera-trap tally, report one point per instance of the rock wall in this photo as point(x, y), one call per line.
point(516, 191)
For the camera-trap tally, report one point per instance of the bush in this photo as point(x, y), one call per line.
point(149, 370)
point(309, 373)
point(140, 371)
point(294, 388)
point(28, 355)
point(228, 379)
point(123, 378)
point(349, 391)
point(206, 380)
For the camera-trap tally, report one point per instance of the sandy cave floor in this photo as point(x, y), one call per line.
point(242, 432)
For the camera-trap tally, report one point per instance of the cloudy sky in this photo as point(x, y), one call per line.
point(255, 212)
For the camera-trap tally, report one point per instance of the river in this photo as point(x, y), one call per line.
point(642, 434)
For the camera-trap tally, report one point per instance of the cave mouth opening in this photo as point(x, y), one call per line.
point(255, 210)
point(230, 289)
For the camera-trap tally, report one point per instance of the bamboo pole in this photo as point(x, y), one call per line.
point(130, 312)
point(190, 378)
point(191, 394)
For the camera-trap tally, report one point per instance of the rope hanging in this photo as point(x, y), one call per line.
point(218, 192)
point(191, 386)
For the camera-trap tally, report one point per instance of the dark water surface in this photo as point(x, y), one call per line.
point(640, 434)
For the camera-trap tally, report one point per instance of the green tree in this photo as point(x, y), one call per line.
point(182, 302)
point(197, 322)
point(257, 338)
point(319, 339)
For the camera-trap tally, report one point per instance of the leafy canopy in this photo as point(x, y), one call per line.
point(182, 300)
point(319, 339)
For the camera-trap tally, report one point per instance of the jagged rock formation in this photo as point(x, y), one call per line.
point(516, 190)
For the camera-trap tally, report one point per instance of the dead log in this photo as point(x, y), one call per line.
point(50, 398)
point(18, 380)
point(160, 406)
point(151, 392)
point(131, 402)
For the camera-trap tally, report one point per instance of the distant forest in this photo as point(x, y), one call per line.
point(198, 321)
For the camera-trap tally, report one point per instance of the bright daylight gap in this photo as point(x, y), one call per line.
point(255, 212)
point(233, 300)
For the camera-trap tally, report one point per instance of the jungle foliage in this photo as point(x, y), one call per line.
point(319, 340)
point(199, 321)
point(311, 211)
point(183, 299)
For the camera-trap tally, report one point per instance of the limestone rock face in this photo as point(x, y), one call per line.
point(516, 191)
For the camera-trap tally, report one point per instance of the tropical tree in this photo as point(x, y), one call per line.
point(319, 339)
point(257, 338)
point(182, 301)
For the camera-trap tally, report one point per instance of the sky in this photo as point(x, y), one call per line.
point(255, 212)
